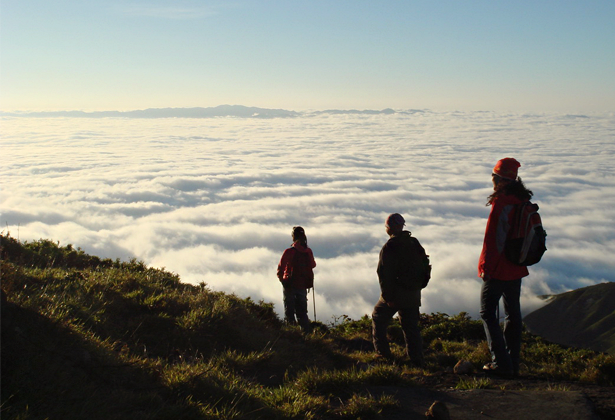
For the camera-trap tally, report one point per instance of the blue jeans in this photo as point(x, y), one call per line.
point(409, 320)
point(295, 303)
point(504, 346)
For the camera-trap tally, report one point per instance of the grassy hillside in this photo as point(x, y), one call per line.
point(87, 338)
point(579, 318)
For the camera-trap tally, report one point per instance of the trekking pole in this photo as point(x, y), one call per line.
point(314, 302)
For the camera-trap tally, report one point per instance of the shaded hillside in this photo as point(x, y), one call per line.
point(91, 338)
point(580, 318)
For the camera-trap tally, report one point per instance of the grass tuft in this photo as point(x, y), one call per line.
point(474, 383)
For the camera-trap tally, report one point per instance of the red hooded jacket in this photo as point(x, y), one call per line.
point(285, 267)
point(492, 262)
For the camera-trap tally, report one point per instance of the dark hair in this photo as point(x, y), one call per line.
point(299, 235)
point(516, 188)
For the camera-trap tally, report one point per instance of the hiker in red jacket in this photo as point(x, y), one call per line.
point(295, 272)
point(502, 278)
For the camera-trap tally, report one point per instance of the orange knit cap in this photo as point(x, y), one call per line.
point(507, 168)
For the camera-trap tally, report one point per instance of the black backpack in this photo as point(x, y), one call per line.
point(526, 239)
point(417, 269)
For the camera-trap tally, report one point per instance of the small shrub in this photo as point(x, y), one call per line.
point(606, 367)
point(345, 326)
point(457, 328)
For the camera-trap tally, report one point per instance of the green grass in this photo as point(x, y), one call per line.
point(474, 383)
point(84, 337)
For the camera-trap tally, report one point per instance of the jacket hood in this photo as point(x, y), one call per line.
point(403, 236)
point(297, 245)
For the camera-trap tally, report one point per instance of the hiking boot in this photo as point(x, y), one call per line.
point(493, 369)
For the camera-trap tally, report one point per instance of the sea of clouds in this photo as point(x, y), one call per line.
point(214, 199)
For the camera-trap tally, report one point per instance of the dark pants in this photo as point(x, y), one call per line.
point(409, 319)
point(295, 302)
point(504, 346)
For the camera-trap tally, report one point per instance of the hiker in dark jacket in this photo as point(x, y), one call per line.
point(502, 278)
point(403, 270)
point(295, 272)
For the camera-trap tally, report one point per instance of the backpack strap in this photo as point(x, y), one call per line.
point(293, 261)
point(522, 228)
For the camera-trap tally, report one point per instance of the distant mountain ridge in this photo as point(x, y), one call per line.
point(198, 112)
point(580, 318)
point(218, 111)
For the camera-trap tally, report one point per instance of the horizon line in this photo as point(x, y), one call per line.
point(253, 112)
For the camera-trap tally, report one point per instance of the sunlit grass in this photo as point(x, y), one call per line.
point(474, 383)
point(98, 339)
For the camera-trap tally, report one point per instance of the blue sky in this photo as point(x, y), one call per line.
point(444, 55)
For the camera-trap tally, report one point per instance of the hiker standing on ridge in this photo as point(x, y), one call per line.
point(502, 278)
point(403, 270)
point(295, 272)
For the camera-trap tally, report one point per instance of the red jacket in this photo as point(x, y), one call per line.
point(285, 267)
point(492, 261)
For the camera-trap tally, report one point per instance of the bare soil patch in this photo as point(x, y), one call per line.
point(514, 399)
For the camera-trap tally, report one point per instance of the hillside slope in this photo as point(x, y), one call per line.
point(91, 338)
point(580, 318)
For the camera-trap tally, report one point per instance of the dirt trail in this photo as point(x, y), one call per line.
point(519, 399)
point(491, 404)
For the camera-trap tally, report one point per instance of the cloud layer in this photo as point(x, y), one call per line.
point(214, 199)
